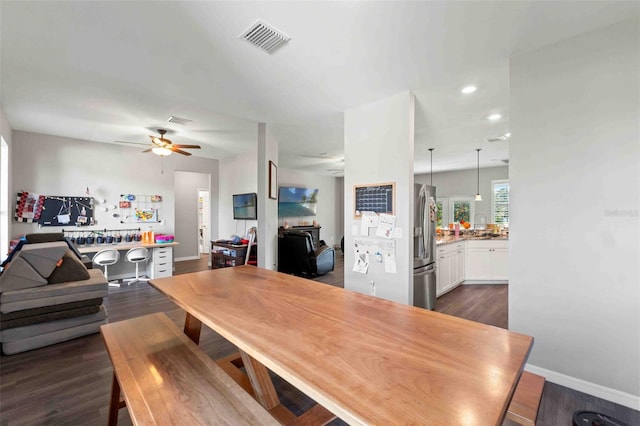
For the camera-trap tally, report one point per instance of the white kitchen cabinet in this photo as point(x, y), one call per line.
point(458, 266)
point(450, 267)
point(161, 262)
point(443, 266)
point(500, 264)
point(487, 260)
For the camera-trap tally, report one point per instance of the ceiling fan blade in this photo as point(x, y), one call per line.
point(131, 143)
point(179, 151)
point(147, 150)
point(187, 146)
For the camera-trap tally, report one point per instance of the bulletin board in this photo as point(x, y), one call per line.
point(376, 197)
point(60, 210)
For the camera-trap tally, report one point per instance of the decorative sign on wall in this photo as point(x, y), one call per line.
point(29, 207)
point(376, 197)
point(67, 211)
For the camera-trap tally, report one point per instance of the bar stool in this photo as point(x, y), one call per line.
point(137, 255)
point(106, 258)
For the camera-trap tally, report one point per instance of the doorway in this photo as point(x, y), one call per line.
point(187, 187)
point(204, 214)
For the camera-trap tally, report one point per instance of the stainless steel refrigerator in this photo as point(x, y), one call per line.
point(424, 247)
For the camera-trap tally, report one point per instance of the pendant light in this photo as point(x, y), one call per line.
point(431, 171)
point(478, 196)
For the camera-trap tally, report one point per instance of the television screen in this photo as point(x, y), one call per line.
point(245, 206)
point(294, 202)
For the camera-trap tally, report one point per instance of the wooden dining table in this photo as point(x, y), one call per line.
point(366, 360)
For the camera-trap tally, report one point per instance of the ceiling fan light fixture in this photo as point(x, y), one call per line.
point(161, 151)
point(469, 89)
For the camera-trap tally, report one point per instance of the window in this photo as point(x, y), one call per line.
point(442, 212)
point(461, 208)
point(453, 210)
point(500, 202)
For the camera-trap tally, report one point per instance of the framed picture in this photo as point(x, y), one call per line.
point(273, 181)
point(375, 197)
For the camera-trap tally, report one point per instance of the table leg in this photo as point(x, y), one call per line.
point(265, 392)
point(114, 405)
point(192, 327)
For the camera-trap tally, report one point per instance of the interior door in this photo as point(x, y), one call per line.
point(203, 220)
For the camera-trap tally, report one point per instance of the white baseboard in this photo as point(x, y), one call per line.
point(613, 395)
point(180, 259)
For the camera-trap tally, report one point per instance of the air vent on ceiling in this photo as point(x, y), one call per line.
point(264, 36)
point(178, 120)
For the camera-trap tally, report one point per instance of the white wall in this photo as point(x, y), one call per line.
point(464, 183)
point(55, 165)
point(575, 193)
point(187, 224)
point(267, 207)
point(378, 144)
point(8, 206)
point(330, 202)
point(238, 175)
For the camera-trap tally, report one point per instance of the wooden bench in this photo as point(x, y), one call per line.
point(166, 379)
point(526, 399)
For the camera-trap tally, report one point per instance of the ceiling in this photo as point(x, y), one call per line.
point(116, 71)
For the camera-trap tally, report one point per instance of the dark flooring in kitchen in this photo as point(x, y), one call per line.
point(69, 383)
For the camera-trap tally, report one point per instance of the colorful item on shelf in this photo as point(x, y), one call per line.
point(164, 238)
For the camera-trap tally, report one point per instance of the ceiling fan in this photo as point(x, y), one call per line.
point(162, 146)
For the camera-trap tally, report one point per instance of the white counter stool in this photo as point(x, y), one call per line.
point(106, 258)
point(137, 255)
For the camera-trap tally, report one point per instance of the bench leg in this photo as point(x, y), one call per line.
point(192, 327)
point(114, 405)
point(265, 392)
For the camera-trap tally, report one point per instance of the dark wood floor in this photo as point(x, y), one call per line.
point(485, 303)
point(69, 383)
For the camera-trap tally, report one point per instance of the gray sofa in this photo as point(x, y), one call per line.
point(47, 296)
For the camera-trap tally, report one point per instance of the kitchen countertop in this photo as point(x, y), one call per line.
point(451, 239)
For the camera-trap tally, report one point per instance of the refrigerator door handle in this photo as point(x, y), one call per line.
point(423, 240)
point(425, 269)
point(426, 227)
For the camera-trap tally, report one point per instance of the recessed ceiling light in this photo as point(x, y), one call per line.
point(469, 89)
point(507, 135)
point(494, 117)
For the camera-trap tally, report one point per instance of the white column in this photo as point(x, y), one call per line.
point(267, 207)
point(378, 142)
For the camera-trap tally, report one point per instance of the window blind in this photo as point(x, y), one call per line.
point(500, 202)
